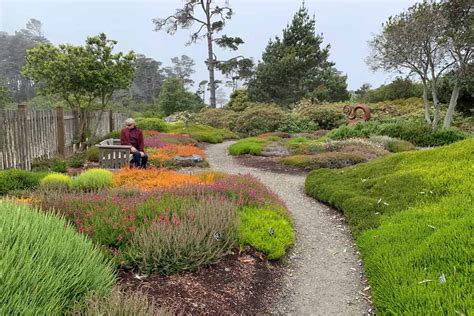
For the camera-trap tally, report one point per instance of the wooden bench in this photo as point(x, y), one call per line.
point(112, 155)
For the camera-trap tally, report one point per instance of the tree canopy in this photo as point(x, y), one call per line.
point(297, 66)
point(175, 98)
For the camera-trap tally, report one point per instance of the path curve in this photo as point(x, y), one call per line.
point(325, 276)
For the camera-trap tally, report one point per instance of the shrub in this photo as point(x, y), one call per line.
point(259, 118)
point(331, 160)
point(417, 133)
point(93, 180)
point(93, 154)
point(252, 146)
point(76, 161)
point(323, 116)
point(198, 236)
point(266, 231)
point(239, 100)
point(398, 145)
point(158, 140)
point(122, 303)
point(16, 180)
point(46, 267)
point(55, 165)
point(217, 118)
point(412, 214)
point(296, 123)
point(56, 182)
point(202, 133)
point(151, 123)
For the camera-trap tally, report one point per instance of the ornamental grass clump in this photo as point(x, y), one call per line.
point(45, 266)
point(199, 235)
point(56, 182)
point(93, 180)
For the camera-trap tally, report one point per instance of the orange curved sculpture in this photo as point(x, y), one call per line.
point(351, 111)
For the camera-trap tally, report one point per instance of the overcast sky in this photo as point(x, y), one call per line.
point(346, 25)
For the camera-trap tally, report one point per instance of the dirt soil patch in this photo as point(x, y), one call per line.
point(268, 164)
point(240, 284)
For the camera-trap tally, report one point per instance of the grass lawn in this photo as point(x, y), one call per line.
point(413, 216)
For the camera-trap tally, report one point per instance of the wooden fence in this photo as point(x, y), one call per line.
point(35, 134)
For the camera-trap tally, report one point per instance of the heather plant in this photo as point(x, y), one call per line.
point(199, 235)
point(56, 182)
point(121, 303)
point(152, 124)
point(46, 267)
point(266, 231)
point(202, 133)
point(156, 139)
point(93, 180)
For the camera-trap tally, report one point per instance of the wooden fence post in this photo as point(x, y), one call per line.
point(111, 121)
point(23, 139)
point(61, 132)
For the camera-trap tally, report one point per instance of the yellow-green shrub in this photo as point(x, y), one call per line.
point(93, 180)
point(56, 182)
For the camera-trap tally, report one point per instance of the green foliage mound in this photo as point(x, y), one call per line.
point(201, 133)
point(17, 180)
point(418, 133)
point(54, 165)
point(151, 124)
point(333, 160)
point(324, 116)
point(93, 180)
point(217, 118)
point(297, 123)
point(259, 118)
point(46, 267)
point(412, 214)
point(93, 154)
point(56, 182)
point(252, 146)
point(266, 230)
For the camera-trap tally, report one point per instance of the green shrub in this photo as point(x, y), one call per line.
point(331, 160)
point(201, 133)
point(76, 160)
point(93, 180)
point(323, 116)
point(252, 146)
point(266, 231)
point(122, 303)
point(239, 100)
point(217, 118)
point(17, 180)
point(398, 145)
point(418, 133)
point(296, 123)
point(93, 154)
point(259, 118)
point(56, 182)
point(55, 165)
point(198, 237)
point(151, 124)
point(46, 267)
point(412, 214)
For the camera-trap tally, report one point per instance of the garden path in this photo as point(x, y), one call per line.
point(325, 276)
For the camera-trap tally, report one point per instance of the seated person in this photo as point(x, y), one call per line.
point(134, 137)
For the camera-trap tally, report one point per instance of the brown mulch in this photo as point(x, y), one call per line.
point(240, 284)
point(268, 164)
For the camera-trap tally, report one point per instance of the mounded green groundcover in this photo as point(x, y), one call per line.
point(413, 216)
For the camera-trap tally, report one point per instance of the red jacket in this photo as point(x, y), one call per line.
point(132, 137)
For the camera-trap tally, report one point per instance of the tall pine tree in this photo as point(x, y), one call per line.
point(296, 66)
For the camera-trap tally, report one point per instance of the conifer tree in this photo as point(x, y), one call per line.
point(297, 66)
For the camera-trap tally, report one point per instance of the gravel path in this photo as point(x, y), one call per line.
point(325, 275)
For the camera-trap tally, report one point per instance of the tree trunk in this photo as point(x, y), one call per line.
point(434, 93)
point(211, 62)
point(452, 105)
point(426, 103)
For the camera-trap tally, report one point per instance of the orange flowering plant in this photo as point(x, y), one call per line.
point(151, 179)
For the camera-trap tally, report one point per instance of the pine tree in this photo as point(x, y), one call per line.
point(296, 66)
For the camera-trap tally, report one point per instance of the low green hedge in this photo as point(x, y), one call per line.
point(201, 133)
point(413, 216)
point(417, 133)
point(17, 180)
point(46, 268)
